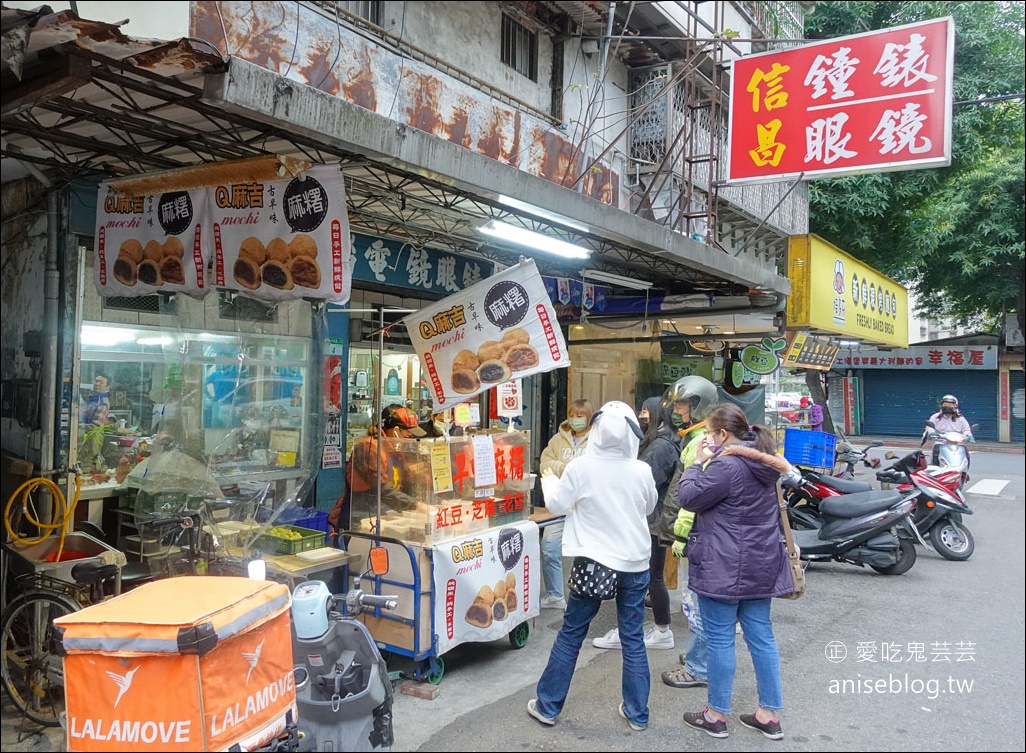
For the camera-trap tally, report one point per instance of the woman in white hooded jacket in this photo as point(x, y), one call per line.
point(606, 495)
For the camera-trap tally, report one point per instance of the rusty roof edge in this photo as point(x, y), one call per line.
point(106, 40)
point(260, 94)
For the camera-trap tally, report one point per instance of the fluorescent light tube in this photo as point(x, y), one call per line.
point(543, 213)
point(611, 279)
point(530, 239)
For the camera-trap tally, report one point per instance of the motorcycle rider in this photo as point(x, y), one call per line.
point(949, 418)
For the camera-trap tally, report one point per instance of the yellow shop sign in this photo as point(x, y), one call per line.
point(832, 292)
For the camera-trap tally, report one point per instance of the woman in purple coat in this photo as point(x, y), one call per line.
point(737, 562)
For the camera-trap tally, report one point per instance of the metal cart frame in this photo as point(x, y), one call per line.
point(429, 665)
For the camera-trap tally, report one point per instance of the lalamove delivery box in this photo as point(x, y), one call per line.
point(181, 664)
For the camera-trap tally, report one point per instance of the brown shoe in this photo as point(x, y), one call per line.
point(679, 678)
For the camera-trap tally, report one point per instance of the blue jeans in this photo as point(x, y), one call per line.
point(635, 680)
point(754, 614)
point(697, 649)
point(552, 558)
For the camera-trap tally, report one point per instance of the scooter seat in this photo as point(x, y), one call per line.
point(893, 476)
point(857, 505)
point(845, 486)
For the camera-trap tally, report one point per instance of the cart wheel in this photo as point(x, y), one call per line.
point(430, 670)
point(518, 635)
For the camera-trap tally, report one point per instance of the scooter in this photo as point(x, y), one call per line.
point(949, 449)
point(804, 496)
point(865, 528)
point(343, 690)
point(849, 456)
point(938, 514)
point(940, 504)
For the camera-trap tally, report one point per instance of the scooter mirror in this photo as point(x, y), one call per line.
point(379, 560)
point(931, 424)
point(974, 428)
point(876, 443)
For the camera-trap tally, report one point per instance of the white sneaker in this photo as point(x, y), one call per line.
point(553, 602)
point(655, 638)
point(609, 640)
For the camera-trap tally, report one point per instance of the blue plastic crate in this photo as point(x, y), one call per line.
point(816, 449)
point(317, 520)
point(305, 517)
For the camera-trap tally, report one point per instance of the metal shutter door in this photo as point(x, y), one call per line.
point(898, 402)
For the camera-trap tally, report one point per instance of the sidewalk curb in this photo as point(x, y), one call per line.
point(906, 442)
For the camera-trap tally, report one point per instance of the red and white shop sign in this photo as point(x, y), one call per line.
point(865, 103)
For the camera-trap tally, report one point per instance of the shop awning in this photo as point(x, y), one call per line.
point(80, 97)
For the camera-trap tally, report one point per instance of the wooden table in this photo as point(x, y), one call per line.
point(543, 517)
point(297, 569)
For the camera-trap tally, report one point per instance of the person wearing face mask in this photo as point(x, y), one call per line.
point(375, 463)
point(737, 562)
point(949, 418)
point(691, 399)
point(568, 443)
point(439, 424)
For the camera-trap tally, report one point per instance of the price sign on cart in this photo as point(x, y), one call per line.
point(509, 398)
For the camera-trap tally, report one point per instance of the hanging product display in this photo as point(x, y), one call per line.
point(501, 328)
point(284, 239)
point(151, 243)
point(271, 239)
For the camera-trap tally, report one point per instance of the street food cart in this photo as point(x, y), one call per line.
point(464, 561)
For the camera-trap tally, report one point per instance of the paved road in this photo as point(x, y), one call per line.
point(972, 702)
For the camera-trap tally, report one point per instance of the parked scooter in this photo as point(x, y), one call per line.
point(343, 690)
point(849, 456)
point(803, 497)
point(865, 528)
point(940, 504)
point(899, 473)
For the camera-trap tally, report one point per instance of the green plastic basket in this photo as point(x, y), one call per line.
point(309, 539)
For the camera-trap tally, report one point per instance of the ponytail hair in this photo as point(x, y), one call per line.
point(730, 417)
point(764, 439)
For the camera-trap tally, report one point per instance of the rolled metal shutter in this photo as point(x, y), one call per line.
point(1017, 383)
point(898, 402)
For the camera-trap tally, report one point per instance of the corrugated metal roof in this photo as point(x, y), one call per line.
point(81, 97)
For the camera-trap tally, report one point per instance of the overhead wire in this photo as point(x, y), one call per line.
point(338, 49)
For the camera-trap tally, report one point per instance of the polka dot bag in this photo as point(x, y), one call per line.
point(592, 580)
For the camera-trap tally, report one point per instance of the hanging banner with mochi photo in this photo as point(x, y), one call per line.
point(156, 243)
point(501, 328)
point(283, 239)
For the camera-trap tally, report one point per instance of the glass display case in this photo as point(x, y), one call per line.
point(448, 489)
point(401, 383)
point(243, 404)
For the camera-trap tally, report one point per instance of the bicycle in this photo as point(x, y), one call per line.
point(29, 673)
point(32, 676)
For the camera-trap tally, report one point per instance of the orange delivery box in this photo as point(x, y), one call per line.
point(182, 664)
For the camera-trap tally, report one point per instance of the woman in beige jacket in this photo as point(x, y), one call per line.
point(568, 442)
